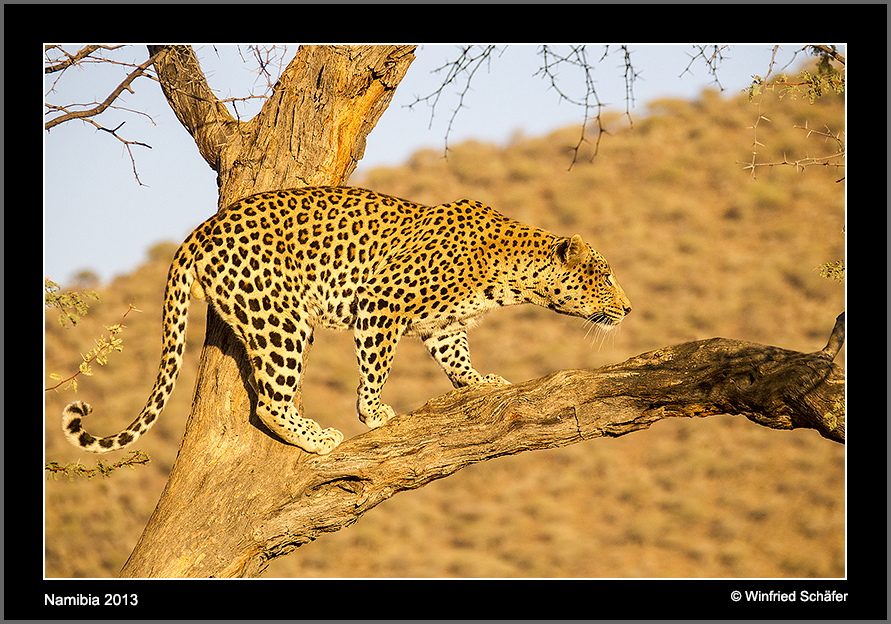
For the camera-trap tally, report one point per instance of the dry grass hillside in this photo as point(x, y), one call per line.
point(701, 249)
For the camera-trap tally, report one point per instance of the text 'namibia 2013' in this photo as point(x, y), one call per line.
point(91, 600)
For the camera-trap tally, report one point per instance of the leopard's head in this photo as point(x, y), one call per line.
point(579, 282)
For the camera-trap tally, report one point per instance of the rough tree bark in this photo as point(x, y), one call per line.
point(237, 497)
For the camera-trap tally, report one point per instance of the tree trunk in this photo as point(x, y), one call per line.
point(310, 132)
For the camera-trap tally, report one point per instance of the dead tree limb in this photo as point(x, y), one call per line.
point(245, 523)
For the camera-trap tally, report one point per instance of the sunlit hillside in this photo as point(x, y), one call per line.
point(701, 248)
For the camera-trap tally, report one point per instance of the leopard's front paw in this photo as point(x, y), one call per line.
point(379, 417)
point(496, 380)
point(323, 442)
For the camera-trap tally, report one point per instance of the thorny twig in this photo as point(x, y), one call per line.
point(100, 107)
point(135, 458)
point(86, 115)
point(577, 57)
point(711, 61)
point(466, 64)
point(87, 112)
point(99, 354)
point(807, 161)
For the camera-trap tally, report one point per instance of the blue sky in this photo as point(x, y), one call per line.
point(97, 217)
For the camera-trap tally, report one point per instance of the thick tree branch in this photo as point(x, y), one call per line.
point(244, 527)
point(195, 105)
point(312, 128)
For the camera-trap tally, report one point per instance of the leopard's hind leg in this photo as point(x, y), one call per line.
point(278, 359)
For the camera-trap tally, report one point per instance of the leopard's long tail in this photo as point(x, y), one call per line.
point(180, 281)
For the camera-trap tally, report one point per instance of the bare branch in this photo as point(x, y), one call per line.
point(86, 115)
point(711, 60)
point(465, 65)
point(826, 78)
point(469, 61)
point(831, 160)
point(578, 58)
point(73, 59)
point(630, 77)
point(125, 85)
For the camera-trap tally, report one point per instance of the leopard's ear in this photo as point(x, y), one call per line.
point(572, 251)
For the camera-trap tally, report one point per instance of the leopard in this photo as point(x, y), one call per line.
point(276, 265)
